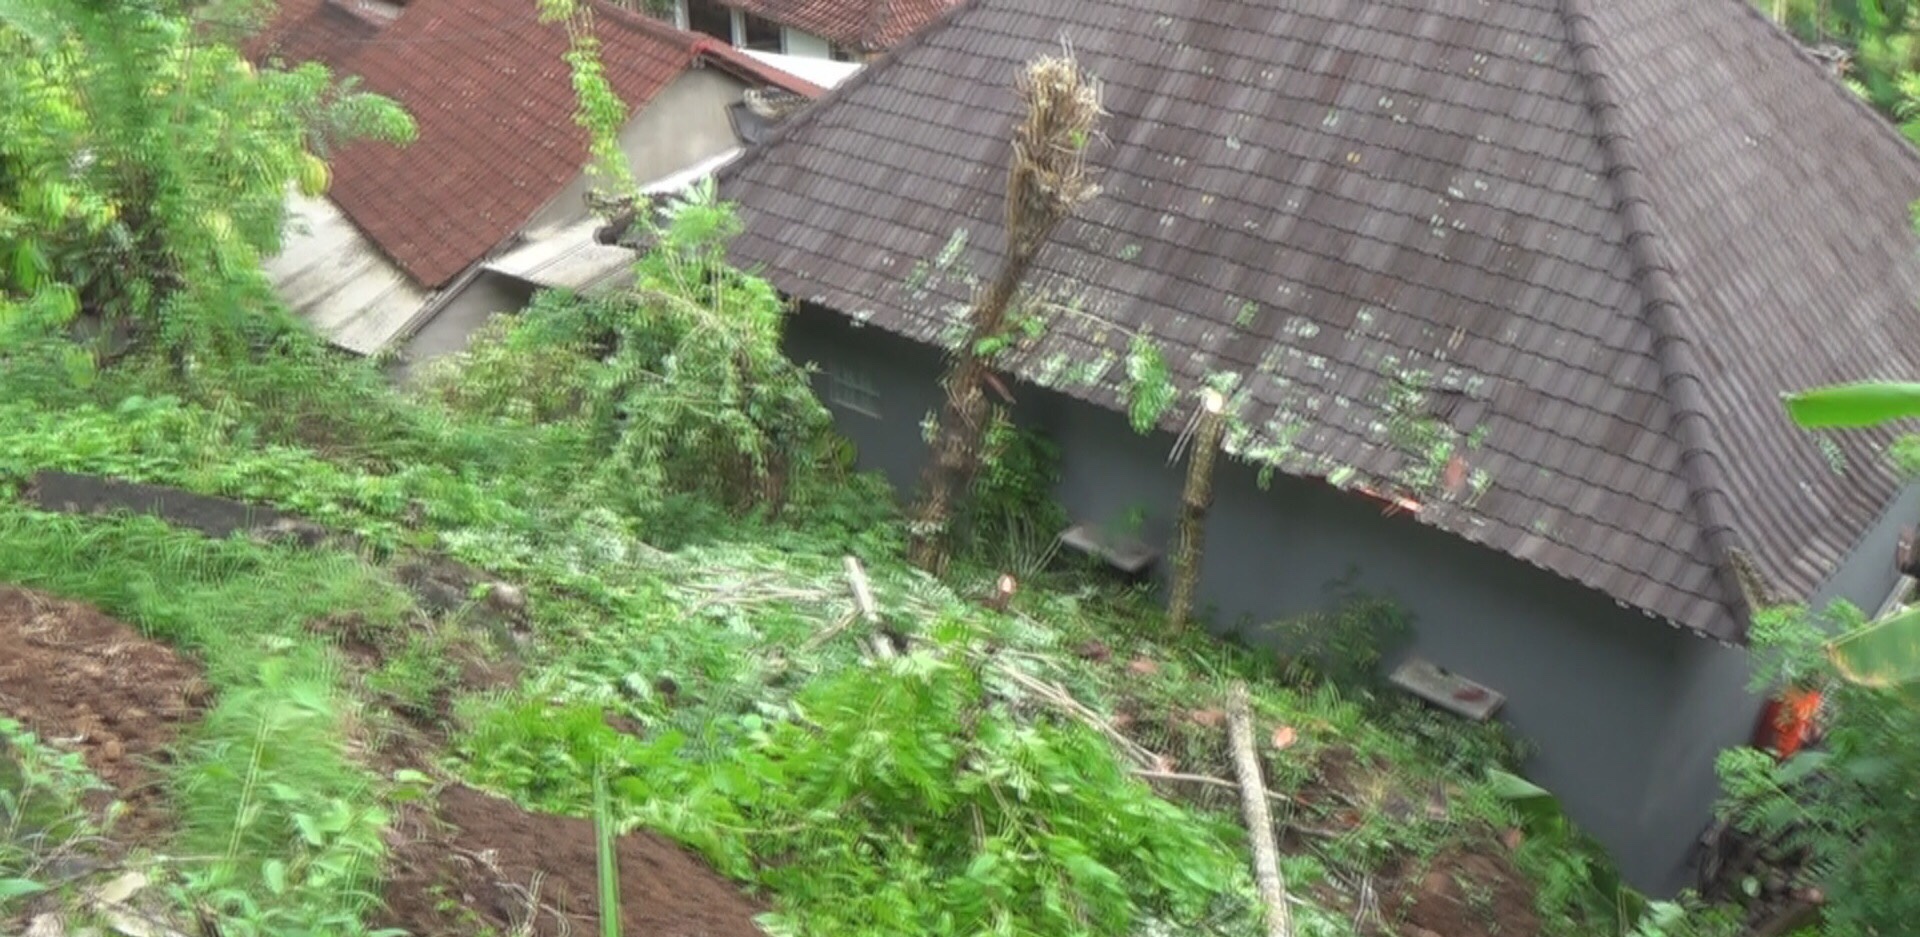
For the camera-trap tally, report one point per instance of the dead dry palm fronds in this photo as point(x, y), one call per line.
point(1049, 177)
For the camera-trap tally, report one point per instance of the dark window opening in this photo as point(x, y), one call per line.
point(760, 35)
point(710, 18)
point(851, 388)
point(840, 53)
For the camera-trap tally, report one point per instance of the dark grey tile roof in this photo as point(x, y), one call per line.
point(1619, 229)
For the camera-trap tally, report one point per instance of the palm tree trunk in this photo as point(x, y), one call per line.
point(1044, 183)
point(1194, 501)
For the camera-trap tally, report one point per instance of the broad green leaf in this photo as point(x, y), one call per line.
point(1852, 405)
point(1883, 654)
point(606, 860)
point(275, 872)
point(1513, 787)
point(1535, 804)
point(309, 829)
point(11, 888)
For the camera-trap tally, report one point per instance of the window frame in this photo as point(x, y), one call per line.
point(683, 18)
point(740, 18)
point(853, 389)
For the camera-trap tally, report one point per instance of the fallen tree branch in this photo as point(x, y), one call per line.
point(1266, 856)
point(1202, 779)
point(1064, 701)
point(829, 632)
point(878, 645)
point(862, 590)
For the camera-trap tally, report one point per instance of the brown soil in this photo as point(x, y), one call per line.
point(486, 861)
point(363, 645)
point(82, 679)
point(1470, 894)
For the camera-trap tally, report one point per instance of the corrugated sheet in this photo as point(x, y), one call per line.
point(823, 72)
point(328, 273)
point(566, 257)
point(571, 257)
point(1620, 228)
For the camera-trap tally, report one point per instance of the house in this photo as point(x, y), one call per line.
point(1509, 290)
point(413, 247)
point(842, 30)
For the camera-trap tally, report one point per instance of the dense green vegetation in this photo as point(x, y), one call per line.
point(1880, 44)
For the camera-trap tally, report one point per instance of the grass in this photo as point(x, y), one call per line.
point(272, 801)
point(43, 819)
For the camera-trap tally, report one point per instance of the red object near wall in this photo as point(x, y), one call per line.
point(1787, 722)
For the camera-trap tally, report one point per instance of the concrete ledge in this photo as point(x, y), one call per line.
point(72, 493)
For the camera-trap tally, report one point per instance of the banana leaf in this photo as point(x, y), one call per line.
point(1884, 654)
point(1852, 405)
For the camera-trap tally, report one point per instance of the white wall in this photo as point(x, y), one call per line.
point(686, 123)
point(807, 45)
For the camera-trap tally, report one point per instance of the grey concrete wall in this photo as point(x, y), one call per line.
point(1626, 713)
point(487, 295)
point(1866, 577)
point(908, 375)
point(684, 124)
point(1594, 687)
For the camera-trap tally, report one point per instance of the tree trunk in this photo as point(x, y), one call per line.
point(1253, 807)
point(1194, 501)
point(1046, 179)
point(962, 429)
point(1787, 920)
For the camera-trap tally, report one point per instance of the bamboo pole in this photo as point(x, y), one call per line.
point(1194, 501)
point(862, 590)
point(1253, 807)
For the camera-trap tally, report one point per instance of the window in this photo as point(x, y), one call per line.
point(840, 53)
point(853, 389)
point(709, 18)
point(760, 34)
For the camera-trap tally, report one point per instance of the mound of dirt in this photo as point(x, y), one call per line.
point(489, 864)
point(86, 681)
point(1470, 894)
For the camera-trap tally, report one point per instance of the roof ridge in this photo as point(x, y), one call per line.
point(805, 118)
point(1702, 464)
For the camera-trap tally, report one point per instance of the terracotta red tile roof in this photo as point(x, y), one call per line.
point(868, 25)
point(326, 31)
point(1610, 232)
point(493, 99)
